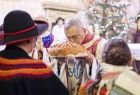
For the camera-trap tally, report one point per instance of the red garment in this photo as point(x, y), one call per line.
point(91, 41)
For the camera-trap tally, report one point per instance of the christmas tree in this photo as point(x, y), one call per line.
point(109, 17)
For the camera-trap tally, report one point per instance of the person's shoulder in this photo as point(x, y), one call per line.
point(27, 68)
point(55, 26)
point(130, 77)
point(54, 29)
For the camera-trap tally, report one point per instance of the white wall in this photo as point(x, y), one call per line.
point(133, 10)
point(33, 7)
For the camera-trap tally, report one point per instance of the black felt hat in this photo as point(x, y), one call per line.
point(19, 26)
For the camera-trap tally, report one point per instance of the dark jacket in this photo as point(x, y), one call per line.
point(22, 75)
point(137, 37)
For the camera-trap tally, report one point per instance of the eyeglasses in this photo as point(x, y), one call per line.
point(73, 37)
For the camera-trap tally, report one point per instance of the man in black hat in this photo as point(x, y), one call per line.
point(19, 73)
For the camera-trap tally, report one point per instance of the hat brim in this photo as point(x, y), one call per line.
point(41, 27)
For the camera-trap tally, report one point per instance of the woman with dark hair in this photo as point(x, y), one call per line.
point(115, 74)
point(58, 19)
point(58, 31)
